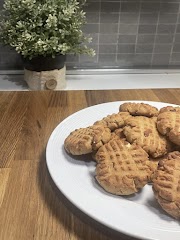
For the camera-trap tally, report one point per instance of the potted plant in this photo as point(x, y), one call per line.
point(43, 32)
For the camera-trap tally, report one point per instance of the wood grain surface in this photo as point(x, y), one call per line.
point(31, 207)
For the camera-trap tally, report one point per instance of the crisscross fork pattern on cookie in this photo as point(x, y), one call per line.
point(121, 167)
point(166, 186)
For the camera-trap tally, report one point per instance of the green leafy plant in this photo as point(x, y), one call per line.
point(44, 27)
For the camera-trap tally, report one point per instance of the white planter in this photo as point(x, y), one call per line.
point(46, 80)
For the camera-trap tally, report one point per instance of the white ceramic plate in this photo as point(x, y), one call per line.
point(138, 215)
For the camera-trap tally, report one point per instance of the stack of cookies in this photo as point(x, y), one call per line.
point(133, 147)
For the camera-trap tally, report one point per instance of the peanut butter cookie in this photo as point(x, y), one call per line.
point(122, 168)
point(166, 184)
point(168, 123)
point(139, 109)
point(86, 140)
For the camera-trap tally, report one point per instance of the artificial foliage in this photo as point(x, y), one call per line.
point(44, 27)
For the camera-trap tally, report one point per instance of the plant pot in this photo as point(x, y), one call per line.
point(45, 73)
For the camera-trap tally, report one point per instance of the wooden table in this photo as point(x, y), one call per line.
point(31, 207)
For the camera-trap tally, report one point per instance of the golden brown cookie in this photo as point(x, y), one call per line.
point(139, 109)
point(168, 123)
point(166, 184)
point(169, 109)
point(142, 131)
point(113, 121)
point(85, 140)
point(122, 168)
